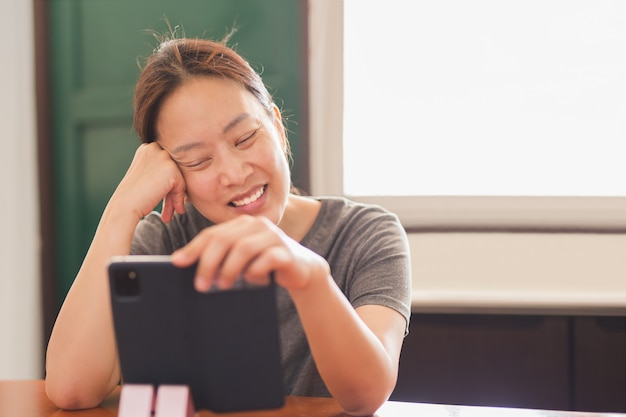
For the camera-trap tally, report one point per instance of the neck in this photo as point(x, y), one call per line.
point(300, 214)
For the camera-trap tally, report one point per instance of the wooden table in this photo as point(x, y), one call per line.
point(28, 399)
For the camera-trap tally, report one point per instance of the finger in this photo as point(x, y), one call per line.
point(178, 196)
point(261, 280)
point(188, 254)
point(274, 260)
point(242, 253)
point(210, 264)
point(172, 202)
point(179, 205)
point(251, 239)
point(207, 252)
point(167, 211)
point(291, 271)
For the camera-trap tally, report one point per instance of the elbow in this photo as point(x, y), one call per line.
point(362, 412)
point(68, 395)
point(367, 401)
point(366, 408)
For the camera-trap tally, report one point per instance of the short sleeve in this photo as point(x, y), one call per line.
point(381, 271)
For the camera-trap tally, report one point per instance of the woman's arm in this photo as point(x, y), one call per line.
point(81, 360)
point(355, 351)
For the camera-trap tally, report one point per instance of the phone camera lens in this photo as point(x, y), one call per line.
point(127, 284)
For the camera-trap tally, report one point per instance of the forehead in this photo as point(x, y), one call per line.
point(204, 101)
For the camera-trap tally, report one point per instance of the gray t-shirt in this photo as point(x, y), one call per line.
point(365, 246)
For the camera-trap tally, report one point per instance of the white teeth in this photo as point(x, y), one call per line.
point(251, 199)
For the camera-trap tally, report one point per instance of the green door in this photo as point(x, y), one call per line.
point(94, 49)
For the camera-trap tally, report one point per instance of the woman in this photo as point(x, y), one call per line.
point(215, 152)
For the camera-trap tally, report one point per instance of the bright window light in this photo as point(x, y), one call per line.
point(484, 98)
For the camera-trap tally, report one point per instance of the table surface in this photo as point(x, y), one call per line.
point(28, 398)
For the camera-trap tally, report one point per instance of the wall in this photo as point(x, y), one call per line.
point(573, 273)
point(20, 305)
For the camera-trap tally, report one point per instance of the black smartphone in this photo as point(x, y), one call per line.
point(223, 344)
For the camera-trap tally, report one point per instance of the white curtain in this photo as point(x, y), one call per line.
point(21, 348)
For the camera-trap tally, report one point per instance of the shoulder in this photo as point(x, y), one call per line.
point(342, 212)
point(345, 223)
point(345, 205)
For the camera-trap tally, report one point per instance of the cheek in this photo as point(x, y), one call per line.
point(283, 166)
point(199, 186)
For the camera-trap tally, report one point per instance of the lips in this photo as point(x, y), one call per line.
point(249, 199)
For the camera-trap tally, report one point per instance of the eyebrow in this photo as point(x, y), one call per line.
point(229, 126)
point(235, 122)
point(186, 147)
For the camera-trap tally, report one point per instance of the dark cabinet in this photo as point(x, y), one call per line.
point(599, 364)
point(548, 362)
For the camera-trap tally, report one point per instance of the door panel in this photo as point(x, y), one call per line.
point(95, 46)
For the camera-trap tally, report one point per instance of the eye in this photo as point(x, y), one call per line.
point(195, 164)
point(247, 139)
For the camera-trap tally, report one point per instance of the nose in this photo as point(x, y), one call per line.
point(234, 169)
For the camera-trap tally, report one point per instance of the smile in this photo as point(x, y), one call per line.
point(250, 199)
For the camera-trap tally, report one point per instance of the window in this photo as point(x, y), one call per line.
point(472, 114)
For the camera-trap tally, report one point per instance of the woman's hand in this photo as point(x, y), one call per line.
point(249, 247)
point(152, 176)
point(356, 352)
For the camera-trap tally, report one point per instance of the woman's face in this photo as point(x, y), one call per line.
point(228, 149)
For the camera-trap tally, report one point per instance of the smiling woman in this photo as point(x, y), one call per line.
point(216, 152)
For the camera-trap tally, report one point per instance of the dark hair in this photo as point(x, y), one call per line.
point(178, 60)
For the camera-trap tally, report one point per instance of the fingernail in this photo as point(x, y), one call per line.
point(178, 256)
point(222, 283)
point(202, 285)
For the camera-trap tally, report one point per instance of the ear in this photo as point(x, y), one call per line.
point(280, 128)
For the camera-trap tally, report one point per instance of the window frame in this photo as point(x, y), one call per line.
point(590, 214)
